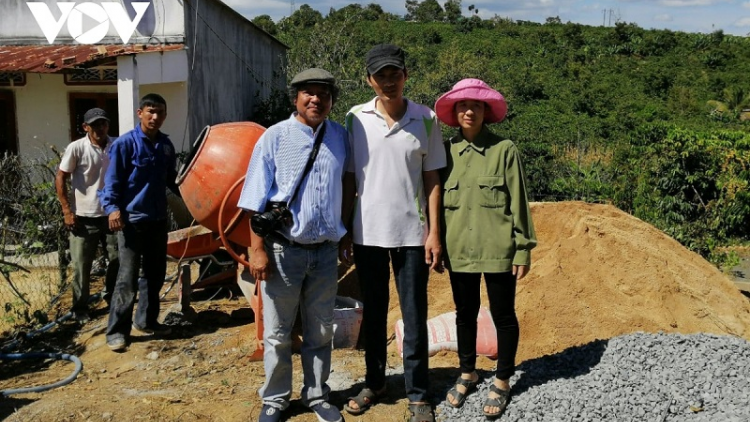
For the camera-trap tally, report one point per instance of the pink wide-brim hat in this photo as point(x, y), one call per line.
point(471, 89)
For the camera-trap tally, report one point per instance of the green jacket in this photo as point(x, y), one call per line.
point(487, 223)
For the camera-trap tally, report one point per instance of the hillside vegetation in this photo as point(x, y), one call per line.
point(648, 120)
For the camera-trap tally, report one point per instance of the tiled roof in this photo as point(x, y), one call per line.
point(61, 58)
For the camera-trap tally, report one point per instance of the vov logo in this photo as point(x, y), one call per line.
point(104, 14)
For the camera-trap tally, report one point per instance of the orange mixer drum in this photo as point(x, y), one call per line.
point(216, 164)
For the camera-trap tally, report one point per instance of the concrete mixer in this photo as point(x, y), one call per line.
point(210, 183)
point(211, 179)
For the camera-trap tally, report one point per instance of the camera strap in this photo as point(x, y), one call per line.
point(310, 161)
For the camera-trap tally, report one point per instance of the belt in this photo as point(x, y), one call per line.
point(307, 246)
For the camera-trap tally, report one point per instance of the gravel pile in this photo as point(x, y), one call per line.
point(635, 377)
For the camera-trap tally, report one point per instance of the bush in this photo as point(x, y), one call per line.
point(31, 227)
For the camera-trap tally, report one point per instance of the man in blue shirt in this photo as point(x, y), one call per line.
point(142, 166)
point(297, 264)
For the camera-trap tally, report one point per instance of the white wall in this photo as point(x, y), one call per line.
point(44, 119)
point(42, 112)
point(177, 110)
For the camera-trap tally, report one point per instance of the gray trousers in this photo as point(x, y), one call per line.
point(84, 241)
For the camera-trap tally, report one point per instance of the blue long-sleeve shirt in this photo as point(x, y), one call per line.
point(138, 175)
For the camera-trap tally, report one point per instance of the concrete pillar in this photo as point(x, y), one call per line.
point(128, 94)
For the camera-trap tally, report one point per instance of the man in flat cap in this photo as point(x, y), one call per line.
point(397, 149)
point(293, 193)
point(83, 166)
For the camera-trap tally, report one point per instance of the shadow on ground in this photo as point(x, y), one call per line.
point(570, 363)
point(394, 392)
point(9, 405)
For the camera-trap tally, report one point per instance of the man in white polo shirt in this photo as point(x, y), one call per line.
point(397, 149)
point(83, 165)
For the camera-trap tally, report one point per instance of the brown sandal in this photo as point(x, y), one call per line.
point(366, 398)
point(499, 402)
point(459, 397)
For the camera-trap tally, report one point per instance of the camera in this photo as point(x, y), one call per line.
point(267, 222)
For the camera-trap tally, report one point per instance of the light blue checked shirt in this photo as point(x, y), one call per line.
point(276, 167)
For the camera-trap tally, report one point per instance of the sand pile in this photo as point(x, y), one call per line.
point(599, 272)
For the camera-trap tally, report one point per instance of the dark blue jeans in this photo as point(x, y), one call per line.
point(143, 246)
point(411, 274)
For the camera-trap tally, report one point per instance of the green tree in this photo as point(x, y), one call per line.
point(349, 10)
point(426, 11)
point(573, 34)
point(411, 10)
point(265, 23)
point(374, 11)
point(693, 185)
point(453, 11)
point(657, 43)
point(371, 12)
point(304, 17)
point(733, 100)
point(625, 32)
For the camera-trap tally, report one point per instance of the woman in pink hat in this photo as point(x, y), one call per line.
point(488, 230)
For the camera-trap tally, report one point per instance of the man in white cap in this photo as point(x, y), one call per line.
point(83, 166)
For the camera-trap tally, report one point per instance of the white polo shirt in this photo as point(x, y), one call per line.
point(87, 163)
point(387, 164)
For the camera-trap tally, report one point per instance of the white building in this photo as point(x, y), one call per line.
point(210, 64)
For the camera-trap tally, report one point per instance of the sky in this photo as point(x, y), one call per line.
point(731, 16)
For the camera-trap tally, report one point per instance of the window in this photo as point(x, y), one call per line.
point(12, 79)
point(95, 76)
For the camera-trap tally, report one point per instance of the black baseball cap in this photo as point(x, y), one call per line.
point(383, 55)
point(93, 115)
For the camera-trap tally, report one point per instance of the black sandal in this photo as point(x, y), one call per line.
point(421, 412)
point(460, 398)
point(366, 398)
point(500, 402)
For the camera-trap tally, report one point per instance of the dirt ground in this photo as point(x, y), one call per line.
point(597, 273)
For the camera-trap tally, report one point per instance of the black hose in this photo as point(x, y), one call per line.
point(42, 355)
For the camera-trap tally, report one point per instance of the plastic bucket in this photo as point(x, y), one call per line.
point(347, 321)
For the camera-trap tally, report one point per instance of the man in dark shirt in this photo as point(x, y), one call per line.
point(142, 167)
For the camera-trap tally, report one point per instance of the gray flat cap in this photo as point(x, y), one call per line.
point(313, 76)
